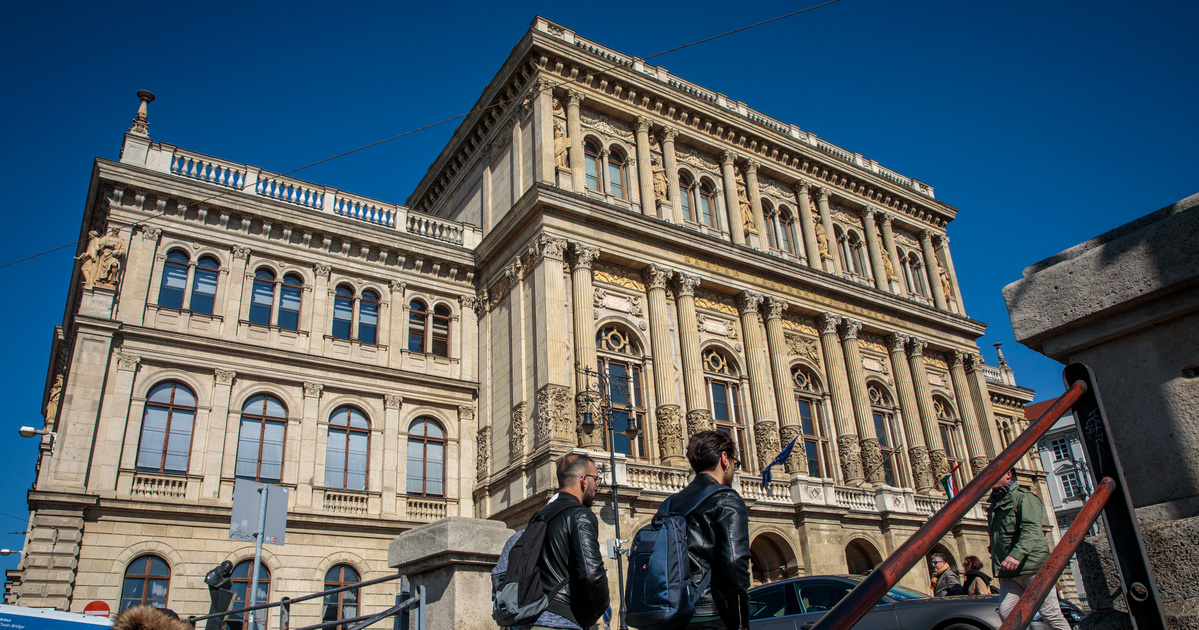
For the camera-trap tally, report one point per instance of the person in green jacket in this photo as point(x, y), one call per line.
point(1018, 547)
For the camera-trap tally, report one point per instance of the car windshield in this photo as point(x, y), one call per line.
point(900, 592)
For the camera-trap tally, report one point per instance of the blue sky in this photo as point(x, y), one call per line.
point(1044, 123)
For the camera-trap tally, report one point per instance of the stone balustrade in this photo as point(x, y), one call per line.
point(347, 503)
point(253, 180)
point(151, 486)
point(426, 509)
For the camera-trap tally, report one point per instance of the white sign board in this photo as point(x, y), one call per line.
point(247, 505)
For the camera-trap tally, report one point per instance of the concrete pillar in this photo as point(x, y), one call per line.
point(961, 393)
point(586, 397)
point(933, 269)
point(755, 204)
point(671, 164)
point(848, 449)
point(831, 263)
point(872, 455)
point(766, 427)
point(669, 420)
point(699, 417)
point(938, 462)
point(955, 292)
point(732, 207)
point(874, 249)
point(645, 175)
point(908, 407)
point(892, 255)
point(574, 129)
point(790, 423)
point(811, 246)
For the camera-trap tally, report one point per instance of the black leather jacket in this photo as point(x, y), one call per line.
point(571, 550)
point(718, 540)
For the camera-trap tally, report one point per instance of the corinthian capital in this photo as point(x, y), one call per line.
point(669, 134)
point(775, 308)
point(828, 323)
point(916, 347)
point(547, 246)
point(823, 192)
point(748, 301)
point(728, 157)
point(850, 328)
point(574, 96)
point(752, 165)
point(957, 359)
point(644, 123)
point(896, 342)
point(656, 276)
point(685, 284)
point(583, 255)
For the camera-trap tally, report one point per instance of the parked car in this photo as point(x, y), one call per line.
point(798, 603)
point(1073, 614)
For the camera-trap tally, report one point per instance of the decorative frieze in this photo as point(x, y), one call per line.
point(715, 302)
point(482, 453)
point(670, 431)
point(618, 276)
point(617, 302)
point(605, 125)
point(520, 430)
point(695, 158)
point(851, 456)
point(804, 347)
point(766, 439)
point(553, 419)
point(717, 326)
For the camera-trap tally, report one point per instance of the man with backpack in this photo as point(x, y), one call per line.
point(566, 586)
point(714, 573)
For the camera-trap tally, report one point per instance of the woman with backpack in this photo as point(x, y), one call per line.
point(977, 582)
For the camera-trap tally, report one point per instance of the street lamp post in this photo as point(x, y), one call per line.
point(606, 383)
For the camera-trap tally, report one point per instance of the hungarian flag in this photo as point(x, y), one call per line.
point(949, 483)
point(782, 457)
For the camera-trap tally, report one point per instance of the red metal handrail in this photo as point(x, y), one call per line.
point(862, 598)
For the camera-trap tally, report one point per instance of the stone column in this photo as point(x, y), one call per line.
point(699, 417)
point(115, 418)
point(955, 292)
point(872, 455)
point(574, 129)
point(485, 188)
point(543, 132)
point(810, 244)
point(669, 420)
point(467, 455)
point(892, 254)
point(671, 163)
point(933, 269)
point(310, 419)
point(790, 423)
point(218, 429)
point(875, 251)
point(981, 395)
point(322, 299)
point(961, 392)
point(394, 469)
point(928, 414)
point(766, 427)
point(236, 295)
point(732, 207)
point(755, 203)
point(398, 313)
point(849, 450)
point(553, 369)
point(917, 451)
point(831, 263)
point(586, 397)
point(645, 176)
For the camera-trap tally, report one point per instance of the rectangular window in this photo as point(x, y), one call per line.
point(174, 282)
point(368, 321)
point(1061, 450)
point(616, 180)
point(289, 307)
point(262, 298)
point(1071, 486)
point(343, 315)
point(204, 290)
point(592, 170)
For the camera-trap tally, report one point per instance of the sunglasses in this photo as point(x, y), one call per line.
point(736, 462)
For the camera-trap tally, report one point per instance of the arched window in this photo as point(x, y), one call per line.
point(724, 399)
point(147, 583)
point(913, 274)
point(343, 311)
point(426, 458)
point(262, 297)
point(167, 421)
point(347, 451)
point(621, 362)
point(440, 345)
point(858, 252)
point(616, 184)
point(242, 577)
point(948, 424)
point(289, 301)
point(591, 154)
point(204, 285)
point(260, 439)
point(786, 223)
point(883, 411)
point(418, 315)
point(771, 225)
point(843, 250)
point(343, 605)
point(707, 204)
point(174, 280)
point(687, 197)
point(368, 317)
point(807, 396)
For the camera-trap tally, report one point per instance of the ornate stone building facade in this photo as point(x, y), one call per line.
point(396, 364)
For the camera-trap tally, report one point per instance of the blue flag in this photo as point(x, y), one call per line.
point(782, 457)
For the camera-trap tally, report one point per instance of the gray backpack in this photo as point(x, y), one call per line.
point(517, 595)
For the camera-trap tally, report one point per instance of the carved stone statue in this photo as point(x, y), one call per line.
point(946, 285)
point(101, 259)
point(661, 184)
point(52, 400)
point(747, 214)
point(888, 267)
point(561, 144)
point(821, 239)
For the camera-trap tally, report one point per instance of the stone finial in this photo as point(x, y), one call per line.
point(141, 124)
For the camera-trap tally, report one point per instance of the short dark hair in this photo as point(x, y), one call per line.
point(705, 447)
point(571, 467)
point(972, 563)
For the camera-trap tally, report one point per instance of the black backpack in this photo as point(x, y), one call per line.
point(517, 595)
